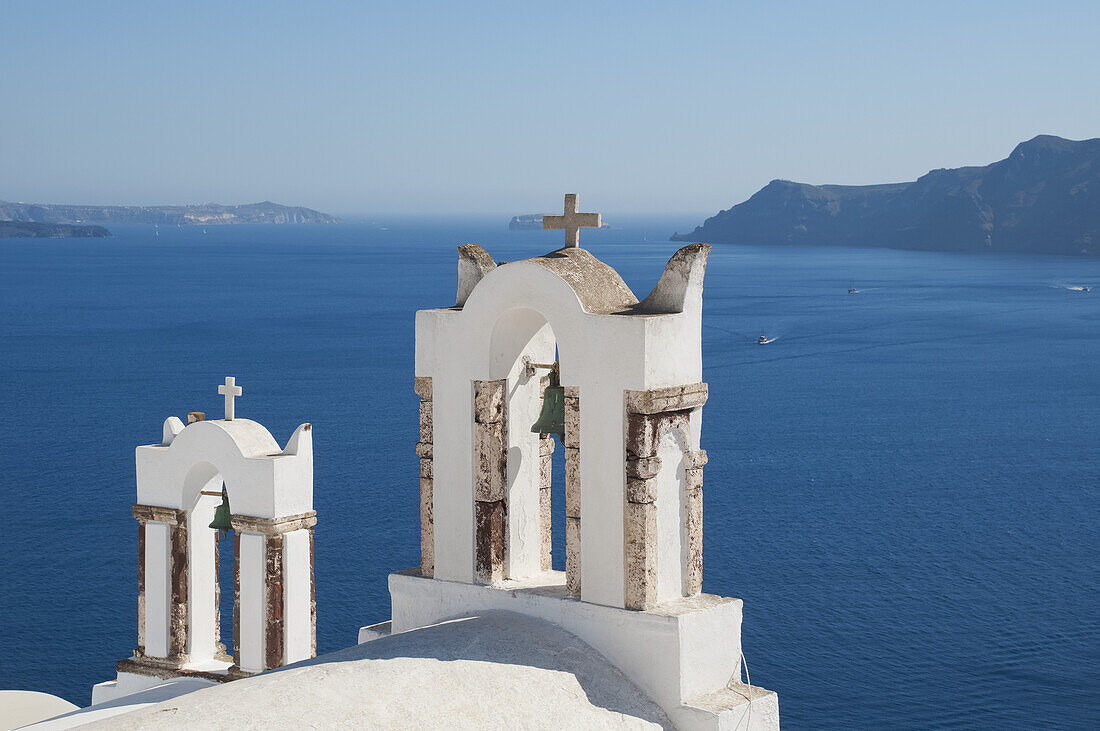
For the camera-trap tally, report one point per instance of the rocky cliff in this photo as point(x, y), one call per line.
point(206, 214)
point(1043, 198)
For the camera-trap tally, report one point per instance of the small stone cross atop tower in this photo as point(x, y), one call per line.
point(572, 221)
point(230, 390)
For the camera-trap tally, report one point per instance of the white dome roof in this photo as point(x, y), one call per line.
point(498, 670)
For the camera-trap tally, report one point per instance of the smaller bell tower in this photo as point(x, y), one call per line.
point(559, 345)
point(204, 479)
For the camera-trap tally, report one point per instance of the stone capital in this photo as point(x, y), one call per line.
point(274, 526)
point(422, 385)
point(156, 513)
point(673, 398)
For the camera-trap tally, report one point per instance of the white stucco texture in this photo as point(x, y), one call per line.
point(496, 670)
point(22, 707)
point(263, 480)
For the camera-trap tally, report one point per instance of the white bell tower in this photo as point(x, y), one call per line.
point(268, 489)
point(632, 377)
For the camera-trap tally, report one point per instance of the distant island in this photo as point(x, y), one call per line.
point(1044, 198)
point(30, 230)
point(531, 222)
point(205, 214)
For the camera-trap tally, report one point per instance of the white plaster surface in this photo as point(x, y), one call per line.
point(738, 707)
point(263, 480)
point(252, 601)
point(671, 524)
point(202, 579)
point(157, 589)
point(497, 670)
point(22, 707)
point(125, 684)
point(674, 653)
point(296, 618)
point(373, 632)
point(104, 714)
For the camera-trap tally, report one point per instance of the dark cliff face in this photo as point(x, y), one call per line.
point(1043, 198)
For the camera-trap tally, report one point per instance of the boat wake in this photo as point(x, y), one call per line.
point(1074, 287)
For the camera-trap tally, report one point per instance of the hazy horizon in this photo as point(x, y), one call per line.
point(434, 108)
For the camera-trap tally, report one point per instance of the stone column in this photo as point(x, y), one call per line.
point(546, 476)
point(274, 631)
point(490, 479)
point(162, 619)
point(275, 609)
point(423, 387)
point(177, 636)
point(649, 415)
point(236, 599)
point(693, 510)
point(572, 491)
point(140, 651)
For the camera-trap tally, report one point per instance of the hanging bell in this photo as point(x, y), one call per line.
point(552, 418)
point(222, 515)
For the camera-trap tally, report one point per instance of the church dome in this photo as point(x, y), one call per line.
point(497, 670)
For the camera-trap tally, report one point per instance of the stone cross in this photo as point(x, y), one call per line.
point(229, 390)
point(572, 221)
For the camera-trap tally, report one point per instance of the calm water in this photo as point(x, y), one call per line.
point(902, 487)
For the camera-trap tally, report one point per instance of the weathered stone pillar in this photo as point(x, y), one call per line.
point(237, 599)
point(572, 491)
point(490, 478)
point(141, 588)
point(162, 622)
point(274, 635)
point(546, 475)
point(693, 511)
point(275, 613)
point(313, 599)
point(177, 634)
point(423, 388)
point(649, 415)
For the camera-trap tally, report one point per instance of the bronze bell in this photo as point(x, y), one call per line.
point(222, 515)
point(552, 418)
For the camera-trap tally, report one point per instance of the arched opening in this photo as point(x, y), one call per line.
point(535, 512)
point(210, 563)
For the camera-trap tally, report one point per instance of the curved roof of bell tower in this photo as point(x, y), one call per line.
point(599, 288)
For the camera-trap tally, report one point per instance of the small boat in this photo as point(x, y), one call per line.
point(204, 232)
point(1086, 288)
point(852, 290)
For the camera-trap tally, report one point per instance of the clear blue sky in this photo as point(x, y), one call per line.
point(409, 107)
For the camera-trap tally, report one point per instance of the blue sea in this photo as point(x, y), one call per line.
point(902, 486)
